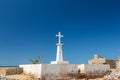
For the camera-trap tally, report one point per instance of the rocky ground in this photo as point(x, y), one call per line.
point(113, 75)
point(29, 77)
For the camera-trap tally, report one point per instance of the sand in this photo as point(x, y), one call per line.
point(22, 77)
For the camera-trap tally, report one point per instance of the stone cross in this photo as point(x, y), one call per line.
point(59, 37)
point(59, 56)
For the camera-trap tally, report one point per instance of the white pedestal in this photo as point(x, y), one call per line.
point(59, 62)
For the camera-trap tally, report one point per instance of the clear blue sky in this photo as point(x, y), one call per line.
point(28, 29)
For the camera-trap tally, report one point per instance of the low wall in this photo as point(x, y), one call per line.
point(32, 69)
point(49, 70)
point(58, 70)
point(10, 71)
point(94, 69)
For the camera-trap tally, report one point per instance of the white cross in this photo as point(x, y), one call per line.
point(59, 37)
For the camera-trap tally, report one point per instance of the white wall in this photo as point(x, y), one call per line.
point(34, 69)
point(93, 69)
point(49, 70)
point(57, 70)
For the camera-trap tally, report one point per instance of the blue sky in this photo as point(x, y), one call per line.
point(28, 29)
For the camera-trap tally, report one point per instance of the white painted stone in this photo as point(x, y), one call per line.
point(34, 69)
point(59, 62)
point(49, 70)
point(118, 63)
point(93, 68)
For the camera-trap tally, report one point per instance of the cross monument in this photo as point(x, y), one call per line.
point(59, 56)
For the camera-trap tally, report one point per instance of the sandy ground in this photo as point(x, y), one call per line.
point(28, 77)
point(22, 77)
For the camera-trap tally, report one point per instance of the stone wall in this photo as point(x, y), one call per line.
point(112, 63)
point(94, 69)
point(118, 63)
point(32, 69)
point(10, 71)
point(58, 70)
point(51, 71)
point(100, 60)
point(97, 61)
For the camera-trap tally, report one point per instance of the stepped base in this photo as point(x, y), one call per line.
point(59, 62)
